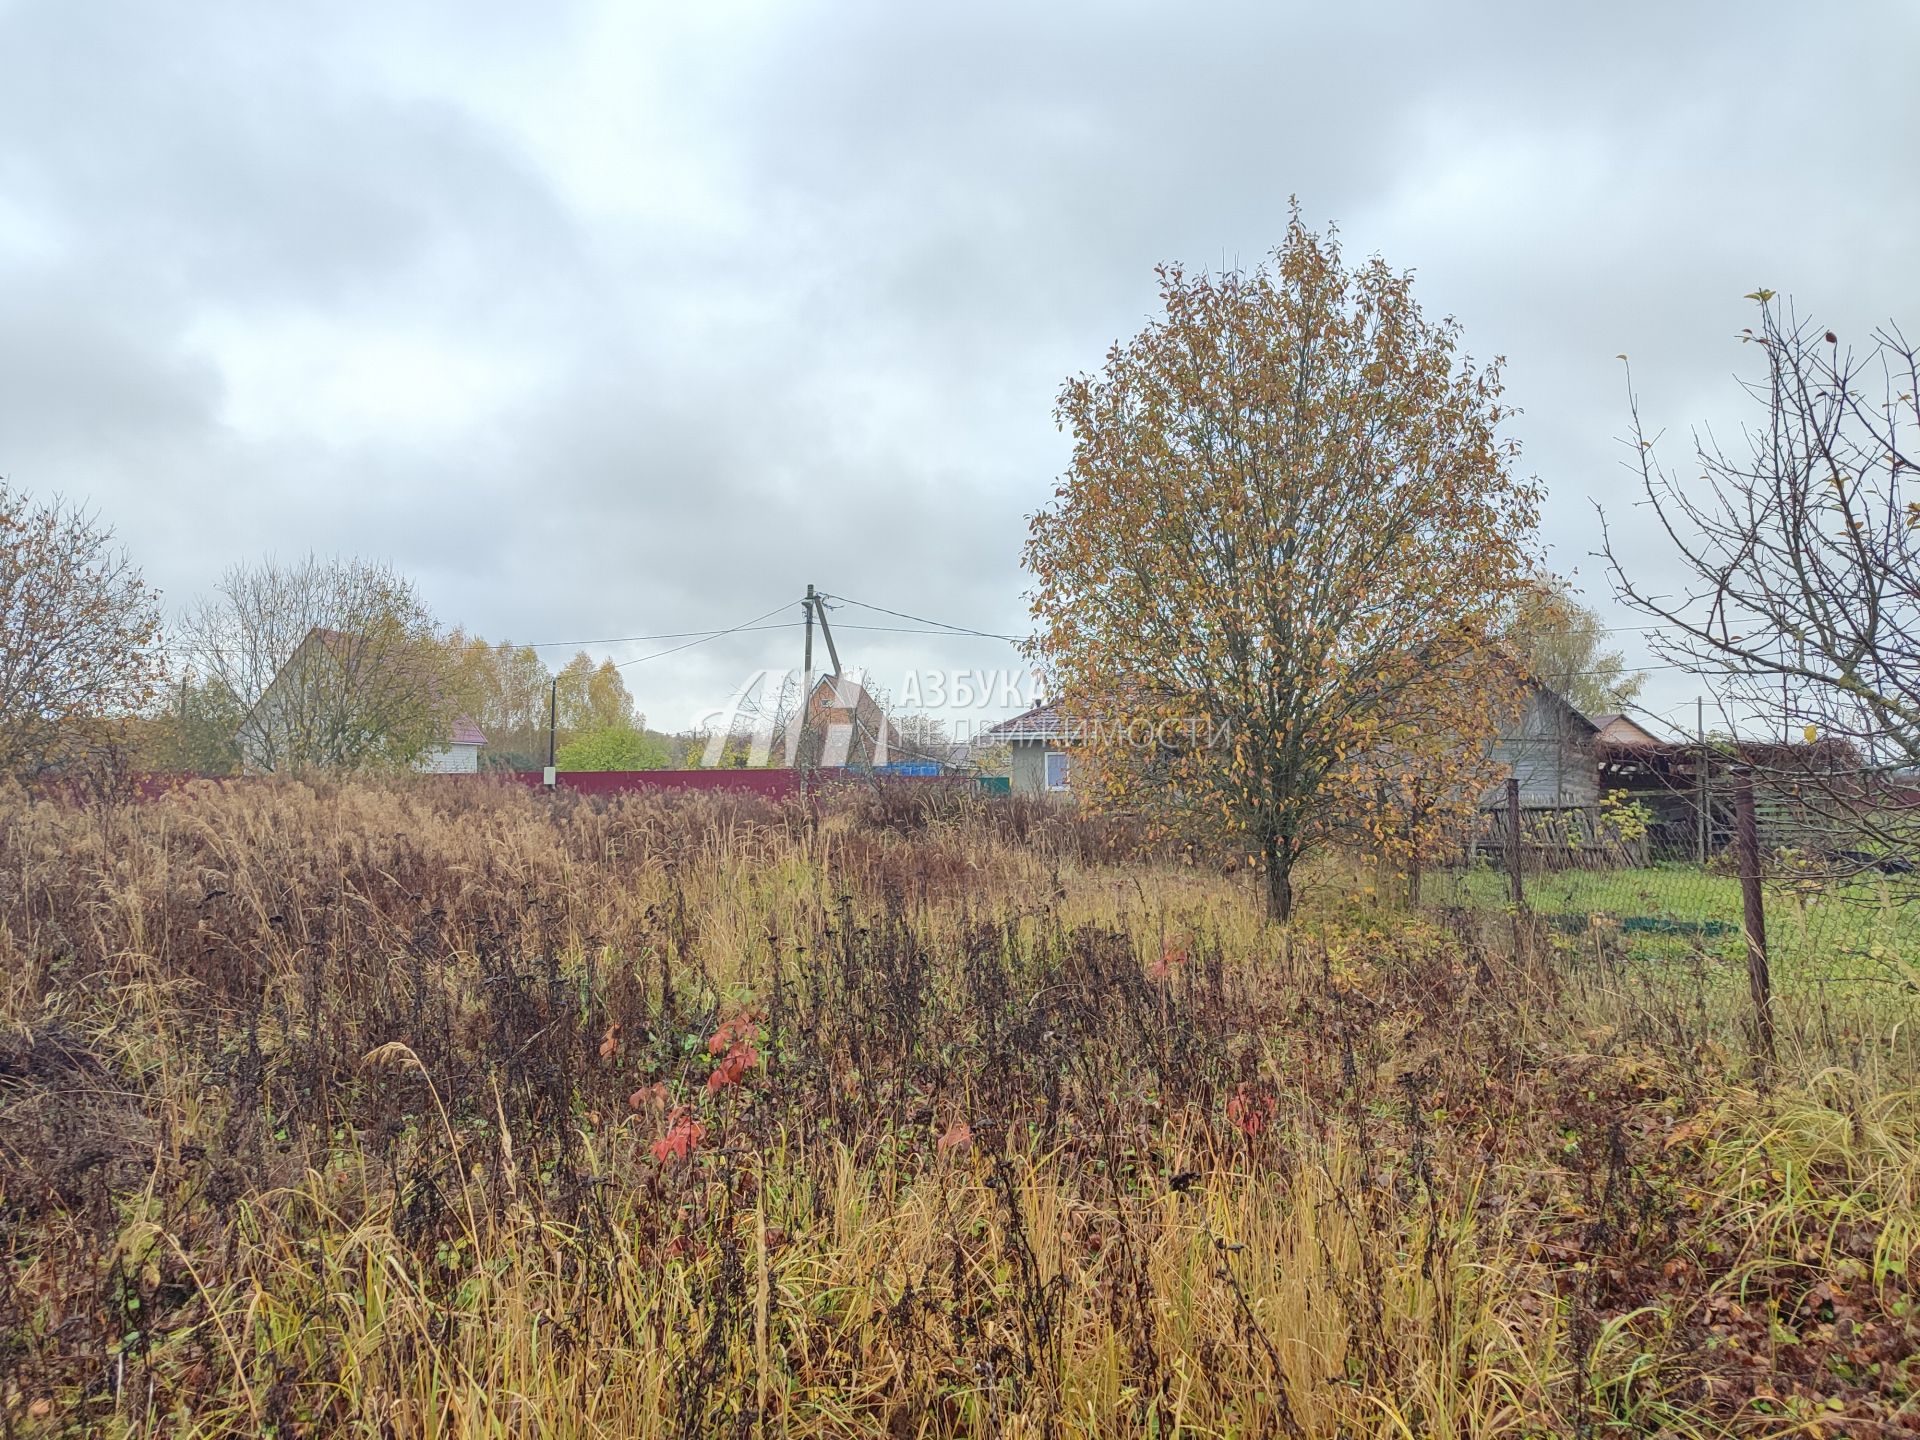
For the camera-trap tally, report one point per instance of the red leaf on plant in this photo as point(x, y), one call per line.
point(1249, 1110)
point(957, 1140)
point(683, 1136)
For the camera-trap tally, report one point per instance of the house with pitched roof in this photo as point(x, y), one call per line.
point(843, 726)
point(342, 700)
point(458, 754)
point(1549, 747)
point(1041, 743)
point(1616, 728)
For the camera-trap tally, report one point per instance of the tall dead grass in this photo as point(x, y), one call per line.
point(347, 1109)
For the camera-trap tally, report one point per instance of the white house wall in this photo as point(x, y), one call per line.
point(450, 760)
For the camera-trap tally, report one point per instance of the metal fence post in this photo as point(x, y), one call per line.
point(1746, 831)
point(1513, 842)
point(1700, 731)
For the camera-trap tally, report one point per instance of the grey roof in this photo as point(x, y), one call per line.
point(1042, 722)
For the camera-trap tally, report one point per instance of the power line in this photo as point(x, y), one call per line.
point(911, 630)
point(708, 637)
point(696, 636)
point(931, 628)
point(701, 637)
point(945, 628)
point(667, 635)
point(940, 625)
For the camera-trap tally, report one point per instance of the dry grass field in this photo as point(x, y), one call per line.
point(450, 1110)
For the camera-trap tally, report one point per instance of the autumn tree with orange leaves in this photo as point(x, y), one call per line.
point(1265, 585)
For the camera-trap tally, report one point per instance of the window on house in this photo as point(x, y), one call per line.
point(1058, 762)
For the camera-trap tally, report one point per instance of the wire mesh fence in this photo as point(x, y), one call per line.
point(1838, 945)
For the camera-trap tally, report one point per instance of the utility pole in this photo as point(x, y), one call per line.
point(826, 631)
point(1700, 734)
point(798, 750)
point(553, 728)
point(806, 674)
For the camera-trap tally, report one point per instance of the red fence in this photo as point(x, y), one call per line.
point(773, 784)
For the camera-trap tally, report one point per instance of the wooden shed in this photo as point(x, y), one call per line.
point(1549, 749)
point(1687, 788)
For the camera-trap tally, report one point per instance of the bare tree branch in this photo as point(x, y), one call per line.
point(1799, 552)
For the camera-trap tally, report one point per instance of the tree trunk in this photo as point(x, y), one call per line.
point(1279, 883)
point(1414, 822)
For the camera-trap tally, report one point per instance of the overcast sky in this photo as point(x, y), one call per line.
point(618, 319)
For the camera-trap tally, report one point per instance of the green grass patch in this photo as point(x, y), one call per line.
point(1862, 930)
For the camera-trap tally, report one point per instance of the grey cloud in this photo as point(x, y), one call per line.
point(700, 307)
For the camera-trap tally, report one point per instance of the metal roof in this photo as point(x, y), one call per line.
point(1042, 722)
